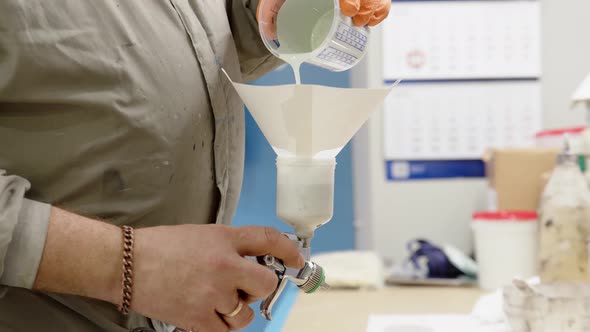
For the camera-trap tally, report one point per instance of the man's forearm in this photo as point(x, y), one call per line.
point(81, 257)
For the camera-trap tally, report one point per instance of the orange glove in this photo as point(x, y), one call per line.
point(366, 12)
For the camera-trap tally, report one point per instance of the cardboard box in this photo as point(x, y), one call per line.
point(516, 177)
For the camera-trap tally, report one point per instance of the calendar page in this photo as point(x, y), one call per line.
point(462, 40)
point(455, 121)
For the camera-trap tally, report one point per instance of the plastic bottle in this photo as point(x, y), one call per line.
point(564, 227)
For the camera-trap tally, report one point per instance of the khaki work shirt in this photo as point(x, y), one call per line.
point(118, 110)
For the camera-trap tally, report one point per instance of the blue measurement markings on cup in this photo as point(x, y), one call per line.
point(351, 36)
point(330, 54)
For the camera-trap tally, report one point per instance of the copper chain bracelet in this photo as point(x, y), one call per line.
point(127, 281)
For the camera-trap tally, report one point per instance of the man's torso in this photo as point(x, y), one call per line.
point(118, 110)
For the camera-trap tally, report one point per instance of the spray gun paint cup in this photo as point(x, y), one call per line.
point(313, 31)
point(305, 193)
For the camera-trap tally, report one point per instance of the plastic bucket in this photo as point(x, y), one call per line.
point(505, 247)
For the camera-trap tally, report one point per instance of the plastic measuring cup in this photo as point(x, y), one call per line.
point(313, 31)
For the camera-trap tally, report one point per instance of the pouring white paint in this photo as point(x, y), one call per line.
point(295, 61)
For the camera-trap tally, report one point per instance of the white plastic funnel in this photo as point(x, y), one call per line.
point(310, 121)
point(307, 126)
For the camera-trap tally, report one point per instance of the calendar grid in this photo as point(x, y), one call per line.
point(470, 72)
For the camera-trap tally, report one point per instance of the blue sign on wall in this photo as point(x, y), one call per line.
point(403, 170)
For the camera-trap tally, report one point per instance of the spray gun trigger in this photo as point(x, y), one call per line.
point(268, 303)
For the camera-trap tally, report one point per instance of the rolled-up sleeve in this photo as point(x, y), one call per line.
point(23, 230)
point(255, 59)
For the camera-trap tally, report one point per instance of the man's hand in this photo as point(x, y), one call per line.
point(187, 275)
point(366, 12)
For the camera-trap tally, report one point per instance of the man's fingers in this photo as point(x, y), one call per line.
point(350, 7)
point(258, 241)
point(236, 312)
point(256, 281)
point(242, 319)
point(371, 12)
point(361, 20)
point(268, 10)
point(376, 19)
point(380, 14)
point(212, 323)
point(249, 299)
point(368, 8)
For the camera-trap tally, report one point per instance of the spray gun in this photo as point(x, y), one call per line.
point(309, 279)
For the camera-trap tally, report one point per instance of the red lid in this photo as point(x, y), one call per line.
point(505, 215)
point(560, 132)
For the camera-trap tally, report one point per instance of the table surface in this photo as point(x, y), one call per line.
point(349, 310)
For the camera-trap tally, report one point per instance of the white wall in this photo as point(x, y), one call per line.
point(566, 57)
point(388, 214)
